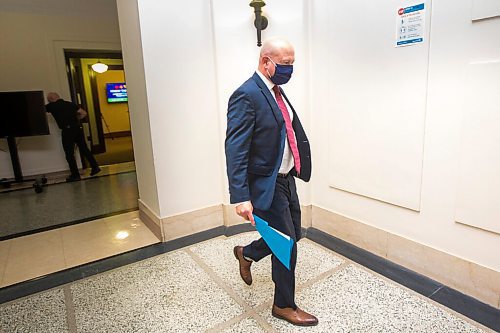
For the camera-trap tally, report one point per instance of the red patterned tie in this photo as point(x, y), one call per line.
point(289, 129)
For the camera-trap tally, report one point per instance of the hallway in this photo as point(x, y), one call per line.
point(198, 289)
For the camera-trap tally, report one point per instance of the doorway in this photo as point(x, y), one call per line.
point(107, 126)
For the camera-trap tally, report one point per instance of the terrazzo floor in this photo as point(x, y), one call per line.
point(198, 289)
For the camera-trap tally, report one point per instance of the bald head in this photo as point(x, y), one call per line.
point(53, 97)
point(274, 46)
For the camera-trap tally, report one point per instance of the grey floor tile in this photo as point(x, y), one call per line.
point(247, 325)
point(354, 300)
point(168, 293)
point(42, 313)
point(25, 211)
point(314, 260)
point(218, 255)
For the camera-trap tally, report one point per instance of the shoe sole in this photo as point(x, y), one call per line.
point(291, 322)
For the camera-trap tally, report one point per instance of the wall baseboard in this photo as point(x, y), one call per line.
point(467, 277)
point(182, 225)
point(150, 219)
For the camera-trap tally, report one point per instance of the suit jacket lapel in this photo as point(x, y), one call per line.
point(270, 99)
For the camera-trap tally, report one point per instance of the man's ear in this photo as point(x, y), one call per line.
point(264, 61)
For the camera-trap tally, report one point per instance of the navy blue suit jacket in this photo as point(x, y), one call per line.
point(255, 139)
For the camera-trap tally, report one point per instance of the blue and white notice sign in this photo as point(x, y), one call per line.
point(411, 25)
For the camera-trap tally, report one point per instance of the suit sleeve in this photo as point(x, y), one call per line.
point(240, 126)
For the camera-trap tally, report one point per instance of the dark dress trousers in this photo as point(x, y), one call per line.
point(255, 141)
point(66, 116)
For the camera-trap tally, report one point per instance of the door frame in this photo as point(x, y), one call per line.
point(77, 89)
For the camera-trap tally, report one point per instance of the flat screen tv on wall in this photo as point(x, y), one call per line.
point(22, 113)
point(116, 92)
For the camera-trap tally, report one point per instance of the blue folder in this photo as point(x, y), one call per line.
point(279, 243)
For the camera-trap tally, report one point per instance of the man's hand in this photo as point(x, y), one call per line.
point(81, 113)
point(245, 210)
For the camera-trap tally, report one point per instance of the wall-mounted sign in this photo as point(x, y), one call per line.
point(411, 25)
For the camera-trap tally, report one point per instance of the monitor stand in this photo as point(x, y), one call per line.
point(18, 173)
point(14, 157)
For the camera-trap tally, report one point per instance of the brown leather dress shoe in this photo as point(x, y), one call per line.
point(296, 317)
point(245, 273)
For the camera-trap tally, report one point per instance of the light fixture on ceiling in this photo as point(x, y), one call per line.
point(99, 67)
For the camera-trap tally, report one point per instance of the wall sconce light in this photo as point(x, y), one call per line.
point(260, 20)
point(99, 67)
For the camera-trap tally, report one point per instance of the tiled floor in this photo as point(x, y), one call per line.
point(198, 289)
point(28, 257)
point(25, 212)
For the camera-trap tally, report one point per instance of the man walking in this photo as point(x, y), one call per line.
point(266, 148)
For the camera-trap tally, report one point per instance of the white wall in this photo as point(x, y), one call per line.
point(483, 9)
point(377, 105)
point(181, 89)
point(140, 120)
point(459, 158)
point(32, 39)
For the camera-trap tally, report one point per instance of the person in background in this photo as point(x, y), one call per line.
point(266, 149)
point(68, 116)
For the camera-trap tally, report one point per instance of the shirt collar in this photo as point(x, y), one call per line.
point(268, 82)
